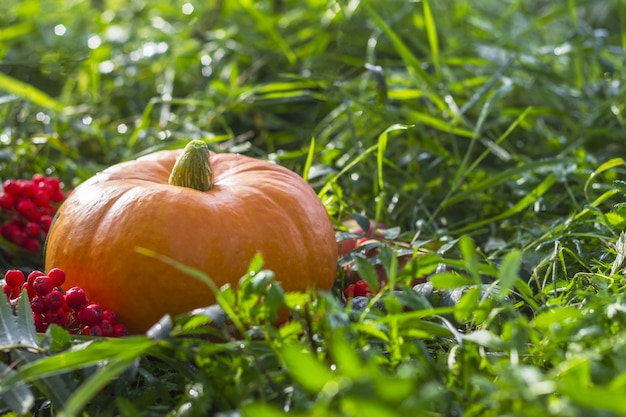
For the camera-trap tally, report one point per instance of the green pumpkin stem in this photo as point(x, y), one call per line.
point(192, 168)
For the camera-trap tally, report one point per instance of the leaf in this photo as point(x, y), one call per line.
point(431, 31)
point(529, 199)
point(30, 93)
point(508, 272)
point(309, 160)
point(558, 318)
point(161, 329)
point(83, 356)
point(362, 221)
point(382, 147)
point(367, 272)
point(366, 407)
point(20, 399)
point(101, 378)
point(408, 57)
point(8, 326)
point(56, 338)
point(449, 280)
point(17, 330)
point(611, 163)
point(391, 233)
point(378, 74)
point(467, 304)
point(348, 362)
point(25, 321)
point(484, 338)
point(305, 369)
point(470, 259)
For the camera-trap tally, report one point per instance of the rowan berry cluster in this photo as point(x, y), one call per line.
point(70, 309)
point(30, 205)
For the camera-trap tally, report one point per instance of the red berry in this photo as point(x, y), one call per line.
point(32, 246)
point(92, 330)
point(14, 277)
point(75, 298)
point(57, 196)
point(54, 299)
point(57, 275)
point(11, 187)
point(38, 178)
point(47, 211)
point(55, 316)
point(29, 290)
point(6, 201)
point(45, 221)
point(27, 188)
point(43, 285)
point(41, 198)
point(40, 324)
point(53, 183)
point(110, 316)
point(90, 315)
point(32, 229)
point(28, 209)
point(107, 328)
point(362, 289)
point(38, 304)
point(119, 330)
point(31, 277)
point(18, 237)
point(11, 292)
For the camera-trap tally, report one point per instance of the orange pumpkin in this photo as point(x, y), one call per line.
point(212, 212)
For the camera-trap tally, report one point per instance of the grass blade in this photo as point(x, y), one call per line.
point(30, 93)
point(309, 160)
point(405, 53)
point(431, 32)
point(537, 192)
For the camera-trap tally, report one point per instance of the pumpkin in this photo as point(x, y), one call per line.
point(210, 211)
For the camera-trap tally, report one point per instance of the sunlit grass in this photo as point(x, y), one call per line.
point(491, 134)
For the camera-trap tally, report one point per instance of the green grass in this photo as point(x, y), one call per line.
point(490, 133)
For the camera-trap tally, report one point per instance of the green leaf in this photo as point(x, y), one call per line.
point(558, 318)
point(347, 360)
point(529, 199)
point(508, 272)
point(449, 280)
point(467, 304)
point(309, 160)
point(30, 93)
point(431, 31)
point(611, 163)
point(367, 272)
point(366, 407)
point(484, 338)
point(56, 338)
point(17, 330)
point(85, 355)
point(115, 365)
point(306, 370)
point(19, 398)
point(468, 251)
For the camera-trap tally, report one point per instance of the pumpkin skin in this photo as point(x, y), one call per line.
point(254, 206)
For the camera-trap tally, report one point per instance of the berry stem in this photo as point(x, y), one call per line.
point(192, 168)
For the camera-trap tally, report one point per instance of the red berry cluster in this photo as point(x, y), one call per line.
point(358, 289)
point(71, 309)
point(31, 205)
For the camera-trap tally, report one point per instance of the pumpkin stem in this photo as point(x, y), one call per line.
point(192, 168)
